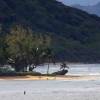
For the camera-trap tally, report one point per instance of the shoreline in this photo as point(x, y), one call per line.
point(34, 78)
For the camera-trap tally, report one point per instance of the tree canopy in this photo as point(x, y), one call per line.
point(25, 47)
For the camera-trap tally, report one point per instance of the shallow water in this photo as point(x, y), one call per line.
point(74, 69)
point(49, 86)
point(50, 90)
point(55, 89)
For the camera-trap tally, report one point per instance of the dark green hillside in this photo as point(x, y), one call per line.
point(75, 33)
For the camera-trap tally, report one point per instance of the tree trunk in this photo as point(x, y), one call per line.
point(48, 69)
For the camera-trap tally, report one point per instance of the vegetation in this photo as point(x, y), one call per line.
point(28, 28)
point(12, 73)
point(24, 48)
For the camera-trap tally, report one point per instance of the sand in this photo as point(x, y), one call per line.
point(68, 77)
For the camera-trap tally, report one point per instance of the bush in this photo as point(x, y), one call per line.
point(12, 73)
point(6, 70)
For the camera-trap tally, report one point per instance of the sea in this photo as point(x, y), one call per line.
point(74, 69)
point(54, 89)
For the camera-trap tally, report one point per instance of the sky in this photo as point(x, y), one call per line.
point(81, 2)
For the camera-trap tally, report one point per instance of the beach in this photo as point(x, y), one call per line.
point(67, 77)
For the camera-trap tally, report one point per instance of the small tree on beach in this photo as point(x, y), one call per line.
point(63, 66)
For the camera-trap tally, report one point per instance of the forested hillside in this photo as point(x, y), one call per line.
point(75, 34)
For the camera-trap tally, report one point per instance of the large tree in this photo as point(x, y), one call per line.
point(25, 47)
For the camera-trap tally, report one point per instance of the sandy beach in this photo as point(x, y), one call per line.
point(67, 77)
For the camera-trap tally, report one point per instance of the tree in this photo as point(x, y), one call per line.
point(2, 48)
point(48, 57)
point(25, 47)
point(20, 46)
point(3, 53)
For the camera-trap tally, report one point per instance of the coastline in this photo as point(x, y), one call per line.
point(68, 77)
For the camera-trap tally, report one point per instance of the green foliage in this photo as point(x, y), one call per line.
point(74, 33)
point(3, 53)
point(19, 42)
point(12, 73)
point(26, 48)
point(5, 70)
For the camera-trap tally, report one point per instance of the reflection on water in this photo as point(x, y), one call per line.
point(75, 69)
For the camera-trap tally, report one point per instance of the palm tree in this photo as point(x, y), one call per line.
point(49, 56)
point(63, 66)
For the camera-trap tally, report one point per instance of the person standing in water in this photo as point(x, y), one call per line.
point(24, 92)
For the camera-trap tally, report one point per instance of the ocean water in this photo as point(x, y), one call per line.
point(55, 89)
point(49, 86)
point(74, 69)
point(50, 90)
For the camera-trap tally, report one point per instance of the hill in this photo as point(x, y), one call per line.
point(92, 9)
point(75, 33)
